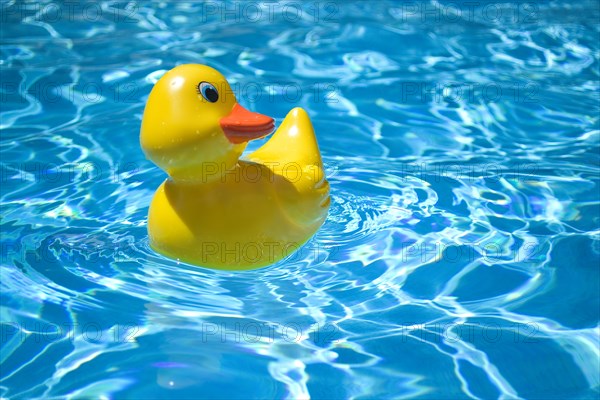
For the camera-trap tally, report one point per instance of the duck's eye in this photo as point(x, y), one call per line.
point(208, 91)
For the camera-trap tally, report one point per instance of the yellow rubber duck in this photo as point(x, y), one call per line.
point(215, 209)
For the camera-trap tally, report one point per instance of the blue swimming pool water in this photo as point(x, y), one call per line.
point(460, 257)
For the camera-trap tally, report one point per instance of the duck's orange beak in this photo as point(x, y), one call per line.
point(242, 125)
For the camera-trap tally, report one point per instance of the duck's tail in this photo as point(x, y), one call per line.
point(293, 152)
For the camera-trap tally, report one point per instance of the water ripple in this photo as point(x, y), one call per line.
point(458, 257)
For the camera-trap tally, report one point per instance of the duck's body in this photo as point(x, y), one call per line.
point(227, 213)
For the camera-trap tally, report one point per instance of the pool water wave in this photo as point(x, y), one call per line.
point(459, 258)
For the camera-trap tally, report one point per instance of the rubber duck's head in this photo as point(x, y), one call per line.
point(193, 126)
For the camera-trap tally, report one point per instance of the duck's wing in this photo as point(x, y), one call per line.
point(293, 150)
